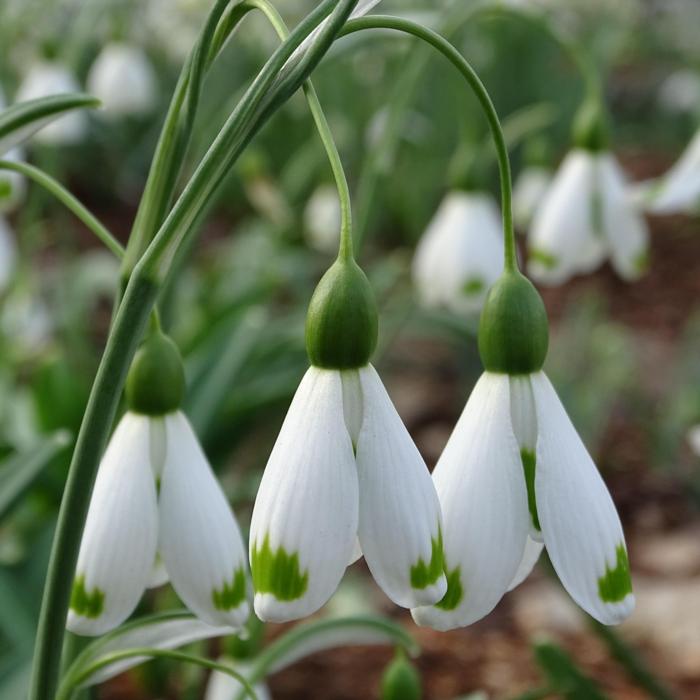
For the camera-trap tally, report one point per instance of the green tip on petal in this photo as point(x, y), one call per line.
point(5, 189)
point(547, 260)
point(529, 461)
point(424, 575)
point(341, 324)
point(455, 591)
point(86, 603)
point(155, 384)
point(232, 594)
point(277, 572)
point(616, 585)
point(513, 330)
point(473, 286)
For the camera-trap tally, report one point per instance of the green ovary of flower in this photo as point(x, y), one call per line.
point(86, 603)
point(616, 584)
point(424, 575)
point(455, 592)
point(232, 594)
point(277, 572)
point(529, 461)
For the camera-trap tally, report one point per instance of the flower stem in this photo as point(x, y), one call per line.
point(324, 131)
point(458, 61)
point(68, 200)
point(66, 691)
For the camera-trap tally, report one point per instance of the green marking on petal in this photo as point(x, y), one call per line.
point(424, 575)
point(278, 572)
point(5, 189)
point(640, 264)
point(616, 584)
point(84, 602)
point(232, 594)
point(529, 461)
point(547, 260)
point(455, 592)
point(597, 213)
point(473, 286)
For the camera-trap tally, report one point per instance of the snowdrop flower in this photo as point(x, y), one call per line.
point(587, 216)
point(50, 78)
point(679, 190)
point(123, 79)
point(322, 219)
point(343, 469)
point(528, 191)
point(515, 477)
point(8, 253)
point(460, 254)
point(157, 512)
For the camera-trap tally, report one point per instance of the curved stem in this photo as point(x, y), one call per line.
point(324, 131)
point(68, 200)
point(459, 62)
point(65, 691)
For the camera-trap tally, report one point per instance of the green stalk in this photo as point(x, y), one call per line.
point(468, 73)
point(65, 692)
point(68, 200)
point(324, 131)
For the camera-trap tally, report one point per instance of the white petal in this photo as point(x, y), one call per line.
point(461, 253)
point(624, 227)
point(694, 439)
point(8, 253)
point(532, 552)
point(528, 191)
point(400, 525)
point(159, 574)
point(322, 219)
point(121, 533)
point(563, 239)
point(304, 522)
point(222, 686)
point(480, 483)
point(581, 528)
point(200, 542)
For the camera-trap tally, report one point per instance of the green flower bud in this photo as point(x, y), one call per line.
point(401, 680)
point(341, 324)
point(590, 128)
point(155, 384)
point(513, 330)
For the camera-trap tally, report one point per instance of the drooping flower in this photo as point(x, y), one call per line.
point(678, 191)
point(122, 78)
point(528, 191)
point(515, 477)
point(157, 512)
point(587, 215)
point(46, 78)
point(343, 469)
point(460, 254)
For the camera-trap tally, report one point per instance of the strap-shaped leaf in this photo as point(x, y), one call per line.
point(163, 631)
point(19, 472)
point(22, 120)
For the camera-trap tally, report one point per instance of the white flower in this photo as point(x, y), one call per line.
point(460, 254)
point(528, 191)
point(343, 467)
point(679, 190)
point(515, 474)
point(49, 78)
point(8, 253)
point(585, 217)
point(680, 92)
point(156, 501)
point(123, 79)
point(694, 439)
point(322, 219)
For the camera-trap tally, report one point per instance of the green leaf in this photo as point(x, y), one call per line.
point(563, 674)
point(163, 631)
point(19, 472)
point(22, 120)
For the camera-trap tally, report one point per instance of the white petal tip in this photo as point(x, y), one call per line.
point(440, 620)
point(615, 613)
point(270, 609)
point(87, 626)
point(430, 594)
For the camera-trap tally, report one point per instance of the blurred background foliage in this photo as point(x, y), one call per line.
point(625, 359)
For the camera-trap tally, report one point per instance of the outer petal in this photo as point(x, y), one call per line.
point(528, 191)
point(400, 523)
point(200, 542)
point(563, 238)
point(121, 534)
point(581, 529)
point(304, 523)
point(532, 552)
point(8, 252)
point(481, 487)
point(624, 227)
